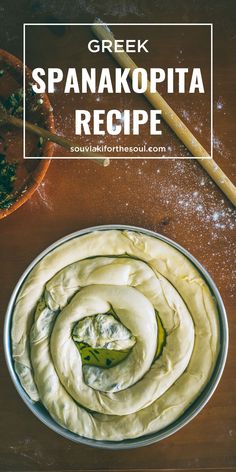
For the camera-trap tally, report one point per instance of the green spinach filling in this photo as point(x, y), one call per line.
point(107, 357)
point(7, 178)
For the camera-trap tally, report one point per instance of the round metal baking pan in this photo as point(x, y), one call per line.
point(41, 413)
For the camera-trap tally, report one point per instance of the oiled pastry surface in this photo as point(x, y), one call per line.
point(108, 289)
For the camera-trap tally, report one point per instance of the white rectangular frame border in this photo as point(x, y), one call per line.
point(121, 24)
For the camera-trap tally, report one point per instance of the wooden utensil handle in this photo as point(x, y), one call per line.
point(220, 178)
point(64, 142)
point(172, 119)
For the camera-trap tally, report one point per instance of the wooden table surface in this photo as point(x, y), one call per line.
point(175, 198)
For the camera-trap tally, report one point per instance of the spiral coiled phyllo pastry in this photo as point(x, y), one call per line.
point(116, 333)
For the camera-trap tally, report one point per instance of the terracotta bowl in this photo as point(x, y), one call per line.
point(31, 171)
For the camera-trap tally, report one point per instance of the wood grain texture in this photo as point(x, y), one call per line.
point(175, 198)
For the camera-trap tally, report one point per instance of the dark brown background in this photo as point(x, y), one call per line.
point(175, 198)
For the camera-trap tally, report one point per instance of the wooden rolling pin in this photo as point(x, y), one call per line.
point(101, 30)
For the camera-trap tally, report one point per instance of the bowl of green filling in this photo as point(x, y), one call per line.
point(19, 177)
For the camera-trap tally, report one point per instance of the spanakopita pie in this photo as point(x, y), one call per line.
point(116, 333)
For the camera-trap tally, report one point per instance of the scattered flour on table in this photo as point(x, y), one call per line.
point(209, 222)
point(192, 116)
point(41, 198)
point(219, 147)
point(32, 451)
point(220, 103)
